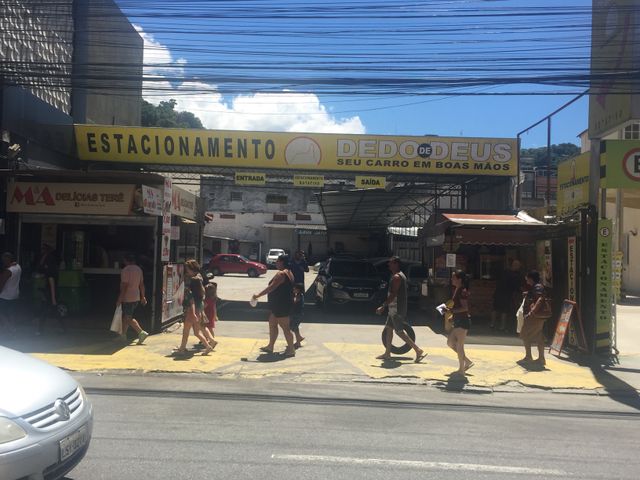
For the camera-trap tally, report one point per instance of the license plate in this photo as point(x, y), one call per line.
point(73, 443)
point(360, 295)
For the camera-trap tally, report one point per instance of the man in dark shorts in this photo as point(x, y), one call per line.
point(298, 268)
point(132, 294)
point(396, 305)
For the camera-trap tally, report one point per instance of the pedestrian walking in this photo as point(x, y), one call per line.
point(396, 306)
point(461, 319)
point(299, 267)
point(9, 291)
point(193, 305)
point(46, 276)
point(297, 313)
point(280, 298)
point(211, 311)
point(132, 294)
point(536, 311)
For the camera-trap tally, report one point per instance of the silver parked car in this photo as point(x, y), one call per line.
point(46, 419)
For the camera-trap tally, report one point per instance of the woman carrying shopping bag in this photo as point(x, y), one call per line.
point(537, 310)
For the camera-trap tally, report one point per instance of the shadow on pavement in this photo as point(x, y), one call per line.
point(73, 342)
point(456, 382)
point(393, 362)
point(616, 388)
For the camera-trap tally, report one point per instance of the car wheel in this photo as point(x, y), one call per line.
point(252, 272)
point(402, 348)
point(216, 271)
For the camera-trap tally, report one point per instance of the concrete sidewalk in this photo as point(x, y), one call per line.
point(334, 353)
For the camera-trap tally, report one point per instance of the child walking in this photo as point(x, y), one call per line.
point(211, 311)
point(297, 312)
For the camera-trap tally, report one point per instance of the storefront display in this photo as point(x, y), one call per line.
point(172, 291)
point(485, 247)
point(92, 225)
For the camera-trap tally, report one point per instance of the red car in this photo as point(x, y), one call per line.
point(233, 263)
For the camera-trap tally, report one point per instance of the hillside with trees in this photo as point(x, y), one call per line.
point(165, 115)
point(538, 155)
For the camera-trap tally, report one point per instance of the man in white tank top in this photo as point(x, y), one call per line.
point(9, 290)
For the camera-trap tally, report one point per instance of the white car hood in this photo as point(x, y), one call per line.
point(27, 384)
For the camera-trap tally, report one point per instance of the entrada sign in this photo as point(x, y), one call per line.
point(295, 151)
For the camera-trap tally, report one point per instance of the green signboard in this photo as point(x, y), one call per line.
point(622, 158)
point(603, 284)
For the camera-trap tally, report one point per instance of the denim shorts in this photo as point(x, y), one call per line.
point(128, 308)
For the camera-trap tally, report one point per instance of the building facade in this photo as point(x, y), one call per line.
point(252, 220)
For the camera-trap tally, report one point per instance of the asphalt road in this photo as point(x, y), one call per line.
point(341, 432)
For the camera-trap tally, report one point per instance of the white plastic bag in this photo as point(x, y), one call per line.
point(520, 317)
point(116, 323)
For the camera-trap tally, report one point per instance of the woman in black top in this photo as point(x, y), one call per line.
point(280, 300)
point(461, 319)
point(193, 307)
point(534, 319)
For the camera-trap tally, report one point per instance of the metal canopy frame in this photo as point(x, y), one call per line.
point(408, 200)
point(407, 205)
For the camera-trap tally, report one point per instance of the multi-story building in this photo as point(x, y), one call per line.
point(62, 62)
point(252, 220)
point(65, 62)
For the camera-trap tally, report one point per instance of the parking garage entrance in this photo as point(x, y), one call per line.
point(364, 184)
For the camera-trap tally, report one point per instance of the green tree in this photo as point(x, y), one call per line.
point(558, 152)
point(164, 115)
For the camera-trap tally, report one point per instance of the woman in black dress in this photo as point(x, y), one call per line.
point(280, 299)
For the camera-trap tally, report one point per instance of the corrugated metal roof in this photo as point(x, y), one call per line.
point(522, 218)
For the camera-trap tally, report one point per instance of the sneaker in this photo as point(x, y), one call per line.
point(142, 336)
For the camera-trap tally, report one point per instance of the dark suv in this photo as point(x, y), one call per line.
point(346, 280)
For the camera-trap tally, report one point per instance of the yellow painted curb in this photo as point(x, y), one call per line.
point(491, 367)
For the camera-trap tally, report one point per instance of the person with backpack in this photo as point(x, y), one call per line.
point(193, 304)
point(537, 309)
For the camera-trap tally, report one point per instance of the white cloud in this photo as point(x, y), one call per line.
point(283, 112)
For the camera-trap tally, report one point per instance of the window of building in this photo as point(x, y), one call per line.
point(280, 217)
point(632, 132)
point(303, 216)
point(279, 199)
point(236, 196)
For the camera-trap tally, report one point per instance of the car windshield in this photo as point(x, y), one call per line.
point(352, 269)
point(276, 252)
point(245, 259)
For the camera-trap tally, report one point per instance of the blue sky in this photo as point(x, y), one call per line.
point(358, 66)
